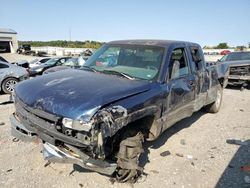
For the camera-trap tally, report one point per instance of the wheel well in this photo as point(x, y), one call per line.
point(142, 125)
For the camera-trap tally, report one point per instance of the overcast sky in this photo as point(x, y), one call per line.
point(207, 22)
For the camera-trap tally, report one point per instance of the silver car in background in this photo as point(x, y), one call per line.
point(37, 62)
point(10, 75)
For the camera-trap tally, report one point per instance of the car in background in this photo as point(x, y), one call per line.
point(10, 75)
point(37, 62)
point(74, 62)
point(225, 52)
point(239, 67)
point(38, 70)
point(21, 63)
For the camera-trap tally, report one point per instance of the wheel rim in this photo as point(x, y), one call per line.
point(10, 85)
point(218, 99)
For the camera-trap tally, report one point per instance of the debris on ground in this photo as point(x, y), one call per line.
point(212, 157)
point(214, 147)
point(47, 164)
point(9, 170)
point(247, 179)
point(2, 123)
point(71, 173)
point(183, 142)
point(165, 153)
point(15, 140)
point(241, 110)
point(179, 154)
point(80, 184)
point(245, 168)
point(230, 166)
point(236, 142)
point(192, 163)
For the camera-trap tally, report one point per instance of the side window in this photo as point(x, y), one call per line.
point(44, 60)
point(178, 66)
point(2, 66)
point(61, 61)
point(197, 58)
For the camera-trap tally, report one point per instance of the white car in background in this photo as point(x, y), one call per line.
point(37, 62)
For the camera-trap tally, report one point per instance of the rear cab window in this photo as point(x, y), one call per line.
point(197, 58)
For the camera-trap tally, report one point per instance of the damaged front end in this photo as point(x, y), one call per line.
point(80, 142)
point(239, 74)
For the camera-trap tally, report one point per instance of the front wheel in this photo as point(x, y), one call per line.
point(8, 85)
point(215, 106)
point(128, 159)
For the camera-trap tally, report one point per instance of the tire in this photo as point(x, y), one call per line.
point(8, 85)
point(215, 106)
point(128, 169)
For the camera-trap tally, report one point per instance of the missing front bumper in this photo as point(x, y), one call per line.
point(55, 154)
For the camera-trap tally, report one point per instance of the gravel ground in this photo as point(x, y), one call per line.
point(199, 153)
point(17, 57)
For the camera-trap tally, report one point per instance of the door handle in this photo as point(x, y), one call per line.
point(191, 83)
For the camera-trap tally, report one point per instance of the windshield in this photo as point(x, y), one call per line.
point(141, 62)
point(71, 62)
point(51, 61)
point(236, 56)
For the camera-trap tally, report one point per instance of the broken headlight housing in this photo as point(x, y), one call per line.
point(79, 125)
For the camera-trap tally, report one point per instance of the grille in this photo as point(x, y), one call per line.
point(240, 70)
point(20, 106)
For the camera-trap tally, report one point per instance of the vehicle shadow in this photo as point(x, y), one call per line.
point(185, 123)
point(237, 170)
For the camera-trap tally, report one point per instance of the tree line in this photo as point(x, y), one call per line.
point(64, 44)
point(224, 45)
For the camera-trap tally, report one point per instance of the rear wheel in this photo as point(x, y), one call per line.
point(128, 169)
point(8, 85)
point(215, 106)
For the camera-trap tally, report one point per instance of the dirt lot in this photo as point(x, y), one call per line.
point(200, 155)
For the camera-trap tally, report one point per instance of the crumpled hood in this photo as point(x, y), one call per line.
point(70, 93)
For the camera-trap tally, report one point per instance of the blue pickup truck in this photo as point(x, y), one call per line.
point(128, 91)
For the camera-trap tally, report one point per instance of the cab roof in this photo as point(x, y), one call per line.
point(151, 42)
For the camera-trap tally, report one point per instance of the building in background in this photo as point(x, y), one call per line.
point(8, 41)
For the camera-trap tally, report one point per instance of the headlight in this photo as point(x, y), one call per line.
point(67, 122)
point(76, 124)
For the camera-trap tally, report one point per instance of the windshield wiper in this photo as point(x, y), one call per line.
point(88, 68)
point(119, 74)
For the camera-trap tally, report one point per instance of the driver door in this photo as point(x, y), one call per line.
point(181, 88)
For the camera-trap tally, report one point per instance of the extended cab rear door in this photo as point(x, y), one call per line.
point(181, 87)
point(197, 64)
